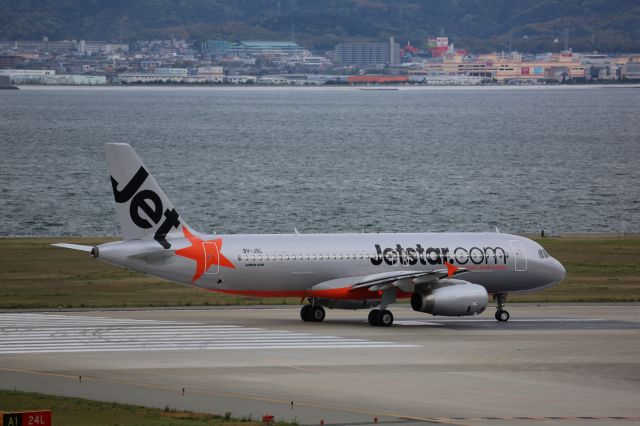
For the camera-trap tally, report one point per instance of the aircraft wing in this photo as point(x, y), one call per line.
point(404, 280)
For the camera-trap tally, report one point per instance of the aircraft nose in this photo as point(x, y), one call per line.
point(558, 272)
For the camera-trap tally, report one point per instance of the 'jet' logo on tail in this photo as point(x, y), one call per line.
point(150, 203)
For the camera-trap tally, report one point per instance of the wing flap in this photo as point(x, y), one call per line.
point(404, 280)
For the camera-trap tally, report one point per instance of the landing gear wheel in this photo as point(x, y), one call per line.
point(317, 313)
point(305, 313)
point(385, 318)
point(374, 316)
point(380, 318)
point(502, 315)
point(501, 300)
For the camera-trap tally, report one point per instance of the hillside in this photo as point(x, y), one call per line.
point(481, 25)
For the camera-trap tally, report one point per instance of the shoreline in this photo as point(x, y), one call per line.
point(572, 235)
point(338, 88)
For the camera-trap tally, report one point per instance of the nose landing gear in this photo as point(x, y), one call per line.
point(501, 314)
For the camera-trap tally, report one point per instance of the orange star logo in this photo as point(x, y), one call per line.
point(205, 253)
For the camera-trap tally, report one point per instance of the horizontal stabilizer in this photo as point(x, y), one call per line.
point(74, 247)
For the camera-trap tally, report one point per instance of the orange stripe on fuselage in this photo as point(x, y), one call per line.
point(343, 293)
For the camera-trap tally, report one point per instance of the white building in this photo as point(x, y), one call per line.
point(50, 77)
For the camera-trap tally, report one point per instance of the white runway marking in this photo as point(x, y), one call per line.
point(44, 333)
point(479, 320)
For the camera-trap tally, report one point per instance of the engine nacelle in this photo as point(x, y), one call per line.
point(454, 300)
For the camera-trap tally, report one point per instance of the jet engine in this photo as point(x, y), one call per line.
point(454, 300)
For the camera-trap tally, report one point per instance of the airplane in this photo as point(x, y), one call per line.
point(445, 274)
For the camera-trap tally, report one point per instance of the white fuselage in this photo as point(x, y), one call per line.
point(292, 264)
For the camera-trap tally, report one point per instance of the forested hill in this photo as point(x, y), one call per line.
point(480, 25)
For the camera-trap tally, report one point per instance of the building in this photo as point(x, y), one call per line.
point(368, 54)
point(504, 67)
point(632, 69)
point(27, 76)
point(50, 77)
point(377, 79)
point(270, 49)
point(175, 75)
point(100, 47)
point(172, 72)
point(215, 47)
point(46, 46)
point(10, 61)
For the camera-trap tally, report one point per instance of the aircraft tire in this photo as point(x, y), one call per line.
point(502, 315)
point(305, 313)
point(385, 318)
point(374, 316)
point(317, 313)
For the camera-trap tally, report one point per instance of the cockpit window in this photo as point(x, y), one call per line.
point(543, 254)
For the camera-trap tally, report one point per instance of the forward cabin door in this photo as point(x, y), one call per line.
point(212, 257)
point(520, 262)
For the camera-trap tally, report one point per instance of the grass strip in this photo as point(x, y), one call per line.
point(604, 268)
point(80, 412)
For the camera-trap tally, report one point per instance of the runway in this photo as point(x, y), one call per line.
point(551, 364)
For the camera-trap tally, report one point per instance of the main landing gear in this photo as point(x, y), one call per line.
point(501, 314)
point(312, 313)
point(380, 317)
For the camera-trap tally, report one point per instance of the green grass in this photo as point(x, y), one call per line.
point(35, 275)
point(80, 412)
point(600, 268)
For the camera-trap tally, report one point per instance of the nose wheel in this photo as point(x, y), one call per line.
point(501, 314)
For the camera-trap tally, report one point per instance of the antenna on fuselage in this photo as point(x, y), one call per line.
point(497, 230)
point(296, 230)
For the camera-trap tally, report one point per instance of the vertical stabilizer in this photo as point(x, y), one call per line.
point(143, 208)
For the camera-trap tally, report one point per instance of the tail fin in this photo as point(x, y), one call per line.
point(143, 208)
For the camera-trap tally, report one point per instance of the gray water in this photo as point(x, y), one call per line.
point(328, 160)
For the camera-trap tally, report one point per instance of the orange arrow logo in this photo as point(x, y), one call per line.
point(451, 269)
point(203, 254)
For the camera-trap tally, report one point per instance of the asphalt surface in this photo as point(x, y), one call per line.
point(550, 364)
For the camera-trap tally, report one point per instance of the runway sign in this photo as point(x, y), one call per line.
point(27, 418)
